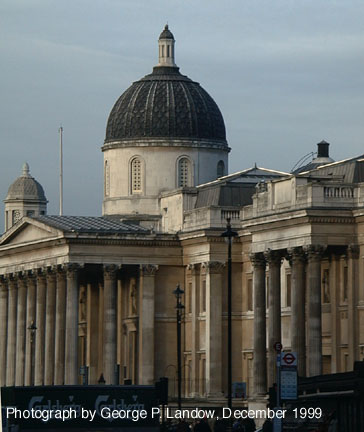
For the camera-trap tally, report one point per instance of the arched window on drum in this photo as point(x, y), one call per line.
point(107, 179)
point(136, 173)
point(184, 174)
point(220, 169)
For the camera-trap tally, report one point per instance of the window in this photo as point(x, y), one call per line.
point(288, 290)
point(107, 179)
point(15, 216)
point(189, 300)
point(136, 176)
point(249, 300)
point(184, 172)
point(203, 297)
point(30, 213)
point(345, 285)
point(220, 168)
point(326, 286)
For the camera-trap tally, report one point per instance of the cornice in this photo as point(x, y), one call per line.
point(124, 242)
point(166, 142)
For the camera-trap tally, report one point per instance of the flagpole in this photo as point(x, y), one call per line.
point(60, 130)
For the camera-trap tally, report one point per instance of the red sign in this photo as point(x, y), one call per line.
point(289, 359)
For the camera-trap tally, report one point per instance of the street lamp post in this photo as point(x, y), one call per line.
point(32, 331)
point(179, 309)
point(229, 234)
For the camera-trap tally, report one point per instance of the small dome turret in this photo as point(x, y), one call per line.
point(25, 197)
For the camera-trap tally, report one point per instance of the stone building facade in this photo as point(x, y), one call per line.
point(98, 291)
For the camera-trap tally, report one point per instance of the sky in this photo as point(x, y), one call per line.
point(285, 74)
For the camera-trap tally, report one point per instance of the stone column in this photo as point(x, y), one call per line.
point(273, 259)
point(314, 254)
point(50, 328)
point(298, 323)
point(3, 328)
point(40, 324)
point(146, 324)
point(31, 330)
point(110, 340)
point(93, 331)
point(20, 331)
point(353, 255)
point(11, 340)
point(60, 326)
point(260, 342)
point(214, 351)
point(335, 312)
point(71, 337)
point(194, 268)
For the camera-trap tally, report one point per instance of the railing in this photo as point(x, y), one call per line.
point(232, 214)
point(338, 192)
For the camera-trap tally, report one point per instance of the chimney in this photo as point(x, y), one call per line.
point(323, 149)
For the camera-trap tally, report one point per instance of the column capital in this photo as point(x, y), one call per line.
point(40, 274)
point(110, 271)
point(353, 251)
point(51, 273)
point(193, 268)
point(257, 259)
point(296, 255)
point(12, 280)
point(148, 269)
point(273, 257)
point(71, 269)
point(22, 279)
point(3, 283)
point(213, 267)
point(314, 252)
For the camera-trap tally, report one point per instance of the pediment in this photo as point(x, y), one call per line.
point(28, 230)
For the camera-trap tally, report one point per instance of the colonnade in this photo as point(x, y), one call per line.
point(39, 334)
point(306, 313)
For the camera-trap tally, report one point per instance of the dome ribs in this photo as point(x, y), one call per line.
point(172, 111)
point(166, 104)
point(149, 110)
point(134, 120)
point(191, 110)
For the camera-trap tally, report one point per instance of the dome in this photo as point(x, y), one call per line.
point(166, 104)
point(166, 33)
point(26, 187)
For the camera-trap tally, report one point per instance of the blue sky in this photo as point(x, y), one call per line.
point(285, 74)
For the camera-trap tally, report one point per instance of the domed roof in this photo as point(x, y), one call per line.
point(166, 33)
point(165, 104)
point(26, 187)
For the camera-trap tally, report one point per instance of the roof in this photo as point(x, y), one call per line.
point(250, 175)
point(90, 224)
point(167, 104)
point(26, 188)
point(234, 190)
point(349, 170)
point(166, 33)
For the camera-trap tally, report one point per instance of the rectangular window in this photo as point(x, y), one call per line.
point(345, 284)
point(203, 296)
point(249, 297)
point(326, 286)
point(189, 302)
point(288, 290)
